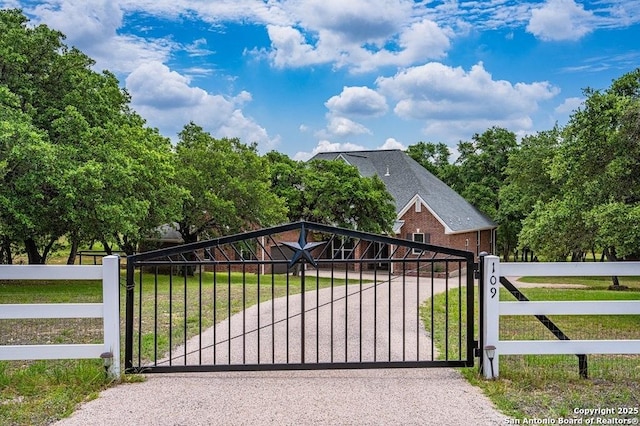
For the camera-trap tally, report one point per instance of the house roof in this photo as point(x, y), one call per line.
point(408, 182)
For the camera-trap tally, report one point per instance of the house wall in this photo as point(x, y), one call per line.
point(426, 223)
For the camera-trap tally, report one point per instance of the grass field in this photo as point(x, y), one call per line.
point(549, 387)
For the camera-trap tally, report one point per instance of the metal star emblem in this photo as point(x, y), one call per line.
point(302, 249)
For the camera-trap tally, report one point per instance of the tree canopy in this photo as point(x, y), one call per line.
point(79, 163)
point(227, 184)
point(333, 193)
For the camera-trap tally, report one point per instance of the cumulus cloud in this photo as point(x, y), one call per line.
point(560, 20)
point(358, 101)
point(289, 48)
point(168, 101)
point(436, 91)
point(342, 126)
point(356, 20)
point(327, 146)
point(92, 27)
point(391, 143)
point(569, 106)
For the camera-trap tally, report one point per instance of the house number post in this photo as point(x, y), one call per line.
point(491, 315)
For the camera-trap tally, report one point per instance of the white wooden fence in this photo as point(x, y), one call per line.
point(494, 308)
point(109, 310)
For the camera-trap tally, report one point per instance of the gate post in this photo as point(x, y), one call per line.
point(490, 317)
point(111, 302)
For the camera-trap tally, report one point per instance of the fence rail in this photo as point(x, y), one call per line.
point(493, 309)
point(109, 310)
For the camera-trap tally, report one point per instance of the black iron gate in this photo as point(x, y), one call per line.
point(298, 296)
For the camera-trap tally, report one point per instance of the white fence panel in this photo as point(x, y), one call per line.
point(493, 308)
point(109, 310)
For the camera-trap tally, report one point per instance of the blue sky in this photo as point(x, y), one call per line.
point(303, 76)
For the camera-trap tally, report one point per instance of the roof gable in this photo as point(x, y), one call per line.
point(406, 179)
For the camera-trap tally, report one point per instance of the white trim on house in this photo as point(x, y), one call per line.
point(412, 203)
point(344, 159)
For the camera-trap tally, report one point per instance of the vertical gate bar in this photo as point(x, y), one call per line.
point(470, 316)
point(446, 311)
point(155, 317)
point(360, 311)
point(460, 310)
point(258, 297)
point(287, 318)
point(128, 345)
point(389, 335)
point(317, 314)
point(244, 313)
point(140, 322)
point(200, 314)
point(346, 312)
point(229, 313)
point(186, 272)
point(481, 284)
point(302, 310)
point(273, 315)
point(418, 312)
point(170, 313)
point(375, 312)
point(331, 315)
point(404, 315)
point(215, 309)
point(433, 267)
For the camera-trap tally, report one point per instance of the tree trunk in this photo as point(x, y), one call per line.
point(5, 251)
point(73, 251)
point(107, 247)
point(33, 255)
point(126, 245)
point(610, 253)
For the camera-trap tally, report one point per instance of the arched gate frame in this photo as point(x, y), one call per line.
point(298, 296)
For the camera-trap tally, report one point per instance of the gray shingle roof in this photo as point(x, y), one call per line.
point(405, 179)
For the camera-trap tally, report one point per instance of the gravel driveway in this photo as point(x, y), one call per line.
point(434, 396)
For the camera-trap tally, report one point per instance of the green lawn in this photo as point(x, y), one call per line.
point(535, 386)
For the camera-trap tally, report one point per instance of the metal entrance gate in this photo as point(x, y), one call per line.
point(298, 296)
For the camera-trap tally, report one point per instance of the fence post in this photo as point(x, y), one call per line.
point(490, 313)
point(111, 303)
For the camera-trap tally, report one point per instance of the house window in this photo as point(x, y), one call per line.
point(421, 238)
point(342, 248)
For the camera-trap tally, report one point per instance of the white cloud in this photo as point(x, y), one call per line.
point(10, 4)
point(289, 48)
point(168, 102)
point(327, 146)
point(569, 106)
point(354, 21)
point(293, 47)
point(358, 101)
point(560, 20)
point(446, 97)
point(93, 28)
point(391, 143)
point(342, 126)
point(153, 84)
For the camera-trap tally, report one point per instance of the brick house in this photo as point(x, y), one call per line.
point(427, 209)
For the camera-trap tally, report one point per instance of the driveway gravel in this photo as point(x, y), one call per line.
point(434, 396)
